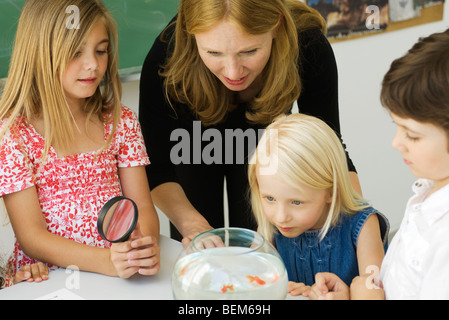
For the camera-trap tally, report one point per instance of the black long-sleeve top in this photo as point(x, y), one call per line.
point(319, 98)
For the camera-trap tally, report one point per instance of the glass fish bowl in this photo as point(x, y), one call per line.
point(229, 264)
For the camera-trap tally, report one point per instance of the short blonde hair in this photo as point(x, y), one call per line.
point(307, 152)
point(43, 48)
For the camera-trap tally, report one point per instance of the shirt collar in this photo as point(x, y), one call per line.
point(434, 206)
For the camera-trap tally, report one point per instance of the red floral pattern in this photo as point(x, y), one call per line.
point(72, 189)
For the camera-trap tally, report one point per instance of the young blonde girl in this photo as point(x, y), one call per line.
point(67, 144)
point(303, 201)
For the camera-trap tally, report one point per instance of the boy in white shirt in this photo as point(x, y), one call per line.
point(416, 93)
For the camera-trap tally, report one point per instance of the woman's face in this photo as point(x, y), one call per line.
point(234, 56)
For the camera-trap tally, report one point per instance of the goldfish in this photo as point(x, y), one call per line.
point(226, 287)
point(184, 269)
point(256, 279)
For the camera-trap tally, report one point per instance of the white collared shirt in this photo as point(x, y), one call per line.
point(416, 265)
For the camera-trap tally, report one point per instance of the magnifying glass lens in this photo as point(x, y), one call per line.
point(117, 219)
point(121, 220)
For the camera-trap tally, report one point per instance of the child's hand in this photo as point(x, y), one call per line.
point(137, 255)
point(146, 253)
point(37, 272)
point(328, 286)
point(297, 288)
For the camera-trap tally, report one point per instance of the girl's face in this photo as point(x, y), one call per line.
point(85, 72)
point(293, 211)
point(234, 56)
point(424, 148)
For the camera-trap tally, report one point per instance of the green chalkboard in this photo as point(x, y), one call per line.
point(139, 22)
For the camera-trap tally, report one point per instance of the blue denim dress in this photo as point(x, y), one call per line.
point(306, 255)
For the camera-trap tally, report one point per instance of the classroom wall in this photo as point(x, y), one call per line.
point(367, 129)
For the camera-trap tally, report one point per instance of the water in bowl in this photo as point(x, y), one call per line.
point(229, 273)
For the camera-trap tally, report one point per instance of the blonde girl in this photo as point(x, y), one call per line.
point(227, 65)
point(67, 144)
point(304, 203)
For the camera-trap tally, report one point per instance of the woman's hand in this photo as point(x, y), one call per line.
point(194, 231)
point(137, 255)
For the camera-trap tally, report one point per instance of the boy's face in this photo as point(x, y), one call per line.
point(424, 148)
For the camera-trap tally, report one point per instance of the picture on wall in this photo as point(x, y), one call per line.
point(403, 10)
point(349, 19)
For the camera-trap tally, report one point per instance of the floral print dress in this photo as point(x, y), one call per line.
point(71, 189)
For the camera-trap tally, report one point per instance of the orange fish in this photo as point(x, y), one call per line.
point(276, 278)
point(226, 287)
point(184, 269)
point(255, 278)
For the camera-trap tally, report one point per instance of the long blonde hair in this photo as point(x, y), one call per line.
point(307, 152)
point(44, 46)
point(189, 81)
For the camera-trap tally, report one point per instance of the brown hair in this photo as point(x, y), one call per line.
point(417, 84)
point(189, 81)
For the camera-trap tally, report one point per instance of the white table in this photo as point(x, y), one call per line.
point(73, 284)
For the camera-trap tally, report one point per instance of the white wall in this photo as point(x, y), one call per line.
point(366, 127)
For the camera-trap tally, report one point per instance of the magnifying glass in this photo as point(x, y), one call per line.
point(117, 219)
